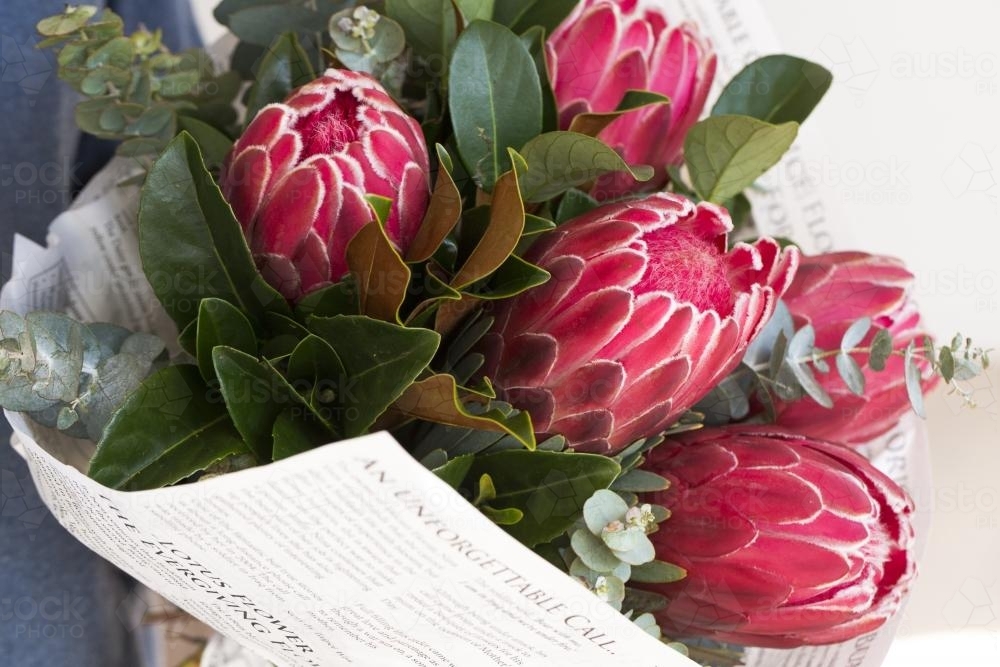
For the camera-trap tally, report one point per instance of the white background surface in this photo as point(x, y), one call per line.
point(912, 125)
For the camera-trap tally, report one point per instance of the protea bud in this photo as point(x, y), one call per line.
point(831, 292)
point(645, 312)
point(298, 177)
point(786, 540)
point(608, 47)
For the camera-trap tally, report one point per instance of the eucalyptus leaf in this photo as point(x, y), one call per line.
point(800, 350)
point(851, 373)
point(602, 508)
point(855, 334)
point(593, 552)
point(658, 572)
point(914, 388)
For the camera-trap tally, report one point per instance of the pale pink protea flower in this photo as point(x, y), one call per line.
point(831, 292)
point(646, 311)
point(607, 47)
point(786, 540)
point(298, 177)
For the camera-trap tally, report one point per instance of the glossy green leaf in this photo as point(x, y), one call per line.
point(284, 67)
point(430, 27)
point(192, 248)
point(534, 40)
point(495, 98)
point(726, 154)
point(640, 481)
point(215, 145)
point(521, 15)
point(776, 89)
point(881, 350)
point(380, 371)
point(166, 431)
point(221, 323)
point(455, 471)
point(559, 161)
point(549, 487)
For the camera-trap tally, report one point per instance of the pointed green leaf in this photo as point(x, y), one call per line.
point(776, 89)
point(167, 430)
point(495, 98)
point(284, 67)
point(221, 323)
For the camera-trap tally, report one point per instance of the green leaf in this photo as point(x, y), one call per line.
point(640, 481)
point(215, 145)
point(947, 364)
point(573, 204)
point(293, 435)
point(881, 350)
point(495, 98)
point(455, 471)
point(549, 487)
point(166, 431)
point(851, 373)
point(284, 67)
point(592, 124)
point(559, 161)
point(776, 89)
point(513, 277)
point(505, 517)
point(379, 371)
point(914, 388)
point(534, 41)
point(430, 27)
point(855, 334)
point(521, 15)
point(255, 394)
point(316, 367)
point(657, 572)
point(192, 248)
point(475, 10)
point(221, 323)
point(726, 154)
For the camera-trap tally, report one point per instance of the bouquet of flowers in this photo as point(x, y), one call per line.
point(510, 234)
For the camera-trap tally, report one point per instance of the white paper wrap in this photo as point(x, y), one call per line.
point(354, 553)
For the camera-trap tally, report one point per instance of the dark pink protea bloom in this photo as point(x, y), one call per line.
point(831, 292)
point(645, 312)
point(608, 47)
point(298, 177)
point(786, 540)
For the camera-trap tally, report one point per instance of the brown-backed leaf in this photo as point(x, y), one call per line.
point(443, 213)
point(592, 124)
point(503, 232)
point(451, 313)
point(380, 273)
point(436, 400)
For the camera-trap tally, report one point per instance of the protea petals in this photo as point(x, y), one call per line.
point(608, 47)
point(298, 177)
point(786, 540)
point(831, 292)
point(645, 312)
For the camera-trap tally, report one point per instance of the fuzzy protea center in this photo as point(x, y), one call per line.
point(330, 129)
point(690, 268)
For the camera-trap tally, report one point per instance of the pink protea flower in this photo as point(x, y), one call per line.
point(645, 312)
point(608, 47)
point(786, 540)
point(831, 292)
point(298, 177)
